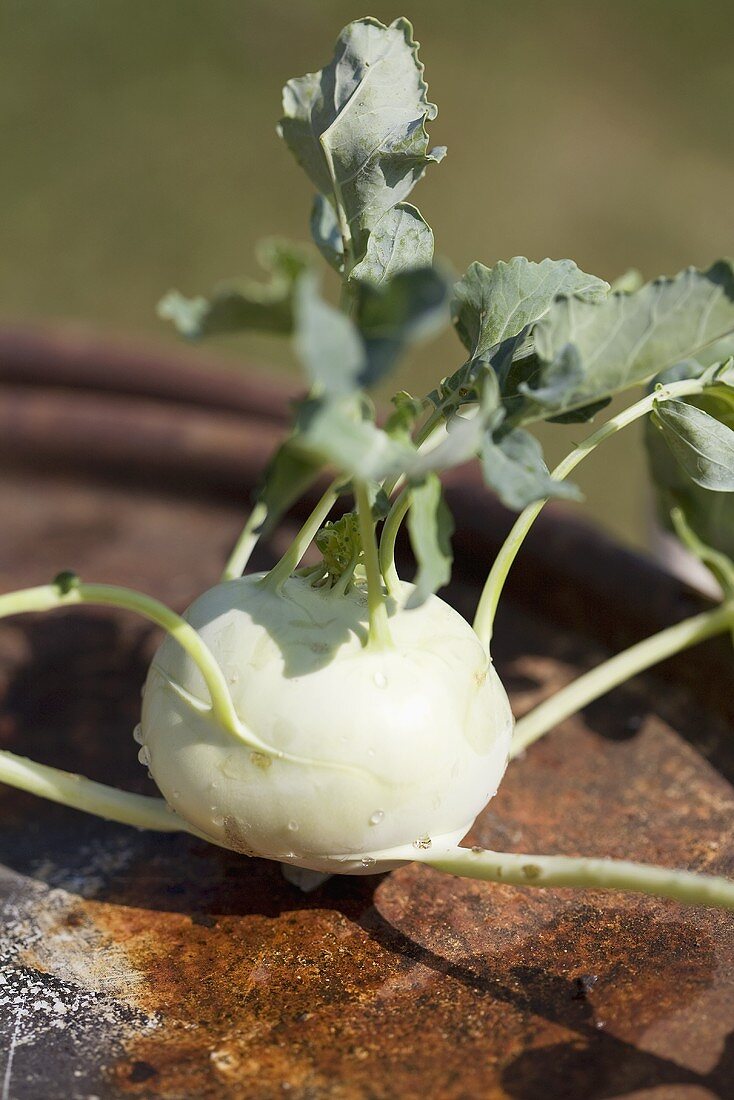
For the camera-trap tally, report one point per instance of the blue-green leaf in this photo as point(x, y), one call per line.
point(411, 307)
point(401, 241)
point(338, 433)
point(326, 233)
point(246, 305)
point(513, 466)
point(708, 514)
point(357, 127)
point(702, 445)
point(493, 304)
point(585, 352)
point(327, 342)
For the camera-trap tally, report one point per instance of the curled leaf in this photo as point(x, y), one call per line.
point(702, 444)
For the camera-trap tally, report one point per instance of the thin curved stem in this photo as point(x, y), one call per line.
point(484, 618)
point(280, 573)
point(49, 596)
point(617, 670)
point(379, 635)
point(91, 797)
point(246, 543)
point(388, 537)
point(586, 873)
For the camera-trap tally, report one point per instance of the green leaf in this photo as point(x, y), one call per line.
point(701, 444)
point(401, 241)
point(327, 342)
point(238, 307)
point(411, 307)
point(493, 304)
point(357, 127)
point(707, 513)
point(513, 466)
point(586, 352)
point(326, 233)
point(430, 526)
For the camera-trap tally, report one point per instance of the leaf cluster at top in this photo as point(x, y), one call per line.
point(542, 341)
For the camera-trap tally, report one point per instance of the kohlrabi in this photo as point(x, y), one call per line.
point(335, 717)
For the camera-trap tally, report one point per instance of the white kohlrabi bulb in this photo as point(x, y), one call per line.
point(381, 750)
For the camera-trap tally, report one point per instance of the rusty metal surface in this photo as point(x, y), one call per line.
point(135, 965)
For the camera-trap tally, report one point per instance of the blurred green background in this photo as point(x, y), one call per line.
point(139, 153)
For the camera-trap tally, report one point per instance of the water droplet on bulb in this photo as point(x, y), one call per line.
point(293, 826)
point(368, 861)
point(380, 680)
point(176, 794)
point(138, 734)
point(233, 676)
point(217, 821)
point(144, 755)
point(377, 817)
point(422, 842)
point(261, 760)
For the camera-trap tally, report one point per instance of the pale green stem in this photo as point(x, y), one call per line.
point(379, 634)
point(280, 573)
point(484, 618)
point(49, 596)
point(518, 869)
point(75, 790)
point(84, 794)
point(718, 563)
point(390, 529)
point(617, 670)
point(246, 543)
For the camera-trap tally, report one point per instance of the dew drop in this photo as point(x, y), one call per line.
point(377, 817)
point(368, 861)
point(293, 826)
point(233, 676)
point(380, 680)
point(422, 842)
point(138, 734)
point(144, 755)
point(176, 794)
point(217, 821)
